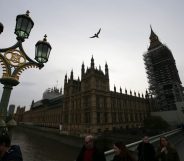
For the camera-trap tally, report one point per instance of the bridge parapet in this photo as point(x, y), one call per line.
point(133, 146)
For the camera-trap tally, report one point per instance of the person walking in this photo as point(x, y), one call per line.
point(166, 152)
point(146, 151)
point(89, 152)
point(9, 152)
point(60, 128)
point(121, 152)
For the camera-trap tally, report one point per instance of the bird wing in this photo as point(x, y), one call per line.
point(93, 36)
point(99, 31)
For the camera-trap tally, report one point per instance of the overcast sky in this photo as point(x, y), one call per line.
point(69, 24)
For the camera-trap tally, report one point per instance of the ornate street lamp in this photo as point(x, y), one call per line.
point(24, 24)
point(14, 60)
point(42, 50)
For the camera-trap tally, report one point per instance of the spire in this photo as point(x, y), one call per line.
point(114, 88)
point(134, 93)
point(130, 92)
point(92, 63)
point(138, 94)
point(106, 69)
point(125, 91)
point(154, 40)
point(82, 70)
point(146, 95)
point(83, 65)
point(71, 75)
point(66, 78)
point(100, 68)
point(106, 66)
point(32, 103)
point(120, 90)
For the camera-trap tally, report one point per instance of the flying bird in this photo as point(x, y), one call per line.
point(96, 34)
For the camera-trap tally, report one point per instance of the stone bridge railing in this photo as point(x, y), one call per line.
point(132, 147)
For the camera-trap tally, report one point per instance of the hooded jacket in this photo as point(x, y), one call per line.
point(97, 155)
point(13, 154)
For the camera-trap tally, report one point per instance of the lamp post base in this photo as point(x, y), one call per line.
point(2, 126)
point(8, 86)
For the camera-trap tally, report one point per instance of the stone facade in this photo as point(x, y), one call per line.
point(46, 113)
point(88, 105)
point(19, 114)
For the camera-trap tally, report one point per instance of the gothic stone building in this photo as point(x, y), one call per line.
point(46, 112)
point(90, 107)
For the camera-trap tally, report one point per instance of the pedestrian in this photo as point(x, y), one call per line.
point(9, 152)
point(166, 152)
point(121, 152)
point(146, 151)
point(60, 128)
point(89, 152)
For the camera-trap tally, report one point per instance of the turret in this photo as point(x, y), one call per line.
point(114, 88)
point(65, 78)
point(134, 93)
point(82, 70)
point(130, 92)
point(125, 91)
point(120, 90)
point(138, 94)
point(71, 75)
point(92, 63)
point(146, 95)
point(100, 68)
point(32, 103)
point(106, 70)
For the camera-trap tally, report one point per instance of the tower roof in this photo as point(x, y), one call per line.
point(92, 63)
point(92, 59)
point(154, 40)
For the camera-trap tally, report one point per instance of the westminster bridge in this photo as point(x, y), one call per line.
point(36, 147)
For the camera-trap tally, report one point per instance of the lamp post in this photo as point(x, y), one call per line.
point(14, 60)
point(1, 27)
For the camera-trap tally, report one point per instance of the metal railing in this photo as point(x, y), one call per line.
point(133, 146)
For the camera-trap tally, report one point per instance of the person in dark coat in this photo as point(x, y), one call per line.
point(8, 152)
point(121, 152)
point(89, 152)
point(146, 151)
point(166, 152)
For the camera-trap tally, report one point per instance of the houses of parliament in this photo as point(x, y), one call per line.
point(87, 105)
